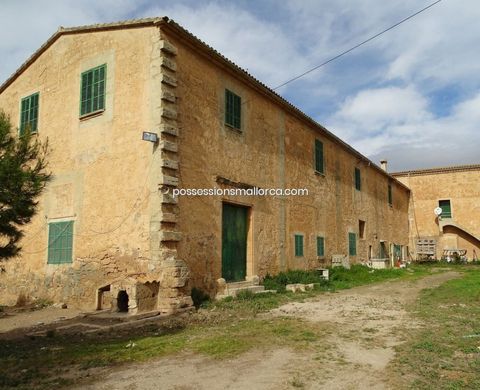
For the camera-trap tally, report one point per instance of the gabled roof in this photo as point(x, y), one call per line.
point(134, 23)
point(431, 171)
point(212, 54)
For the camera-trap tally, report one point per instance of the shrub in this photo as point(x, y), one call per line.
point(279, 281)
point(199, 296)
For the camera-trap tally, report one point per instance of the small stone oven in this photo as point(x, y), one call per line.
point(129, 295)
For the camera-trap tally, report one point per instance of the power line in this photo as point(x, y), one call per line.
point(357, 45)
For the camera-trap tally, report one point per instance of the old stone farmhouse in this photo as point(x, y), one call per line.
point(110, 233)
point(456, 230)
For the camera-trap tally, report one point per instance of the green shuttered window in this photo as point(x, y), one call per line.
point(60, 242)
point(320, 246)
point(233, 109)
point(29, 114)
point(390, 196)
point(298, 245)
point(318, 156)
point(92, 93)
point(358, 179)
point(446, 208)
point(352, 244)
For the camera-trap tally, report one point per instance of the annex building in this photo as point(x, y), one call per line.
point(444, 211)
point(109, 231)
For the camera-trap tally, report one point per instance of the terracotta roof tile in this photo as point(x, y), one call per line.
point(134, 23)
point(430, 171)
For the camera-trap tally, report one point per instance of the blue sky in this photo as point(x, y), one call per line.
point(412, 96)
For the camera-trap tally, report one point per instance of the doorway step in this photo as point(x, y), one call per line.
point(232, 289)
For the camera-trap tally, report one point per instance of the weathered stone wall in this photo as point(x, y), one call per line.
point(462, 188)
point(128, 229)
point(274, 149)
point(103, 173)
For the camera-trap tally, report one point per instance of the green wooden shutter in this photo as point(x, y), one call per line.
point(320, 246)
point(352, 244)
point(92, 93)
point(298, 245)
point(60, 242)
point(319, 156)
point(358, 179)
point(29, 113)
point(446, 208)
point(390, 197)
point(233, 109)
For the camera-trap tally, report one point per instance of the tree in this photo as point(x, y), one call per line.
point(23, 177)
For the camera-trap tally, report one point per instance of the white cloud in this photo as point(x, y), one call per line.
point(261, 47)
point(374, 109)
point(412, 95)
point(419, 139)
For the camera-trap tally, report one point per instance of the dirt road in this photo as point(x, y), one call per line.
point(367, 323)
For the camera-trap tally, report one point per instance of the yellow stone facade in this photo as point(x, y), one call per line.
point(130, 234)
point(461, 187)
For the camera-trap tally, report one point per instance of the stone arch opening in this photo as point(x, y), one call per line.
point(122, 301)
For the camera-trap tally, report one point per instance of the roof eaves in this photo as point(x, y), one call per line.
point(134, 23)
point(430, 171)
point(165, 21)
point(169, 23)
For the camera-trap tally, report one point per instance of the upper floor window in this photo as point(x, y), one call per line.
point(233, 109)
point(29, 114)
point(319, 156)
point(390, 196)
point(92, 90)
point(446, 208)
point(358, 179)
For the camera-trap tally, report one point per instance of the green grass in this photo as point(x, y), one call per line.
point(246, 303)
point(445, 354)
point(24, 365)
point(341, 278)
point(220, 329)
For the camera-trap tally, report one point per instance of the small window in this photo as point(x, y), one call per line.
point(390, 196)
point(60, 242)
point(361, 229)
point(352, 244)
point(358, 179)
point(397, 252)
point(298, 245)
point(446, 208)
point(319, 156)
point(233, 109)
point(92, 92)
point(320, 246)
point(29, 114)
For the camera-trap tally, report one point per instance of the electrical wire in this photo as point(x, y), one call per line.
point(356, 46)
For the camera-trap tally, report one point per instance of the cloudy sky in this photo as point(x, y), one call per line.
point(411, 96)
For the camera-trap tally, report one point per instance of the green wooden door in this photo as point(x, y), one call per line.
point(234, 243)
